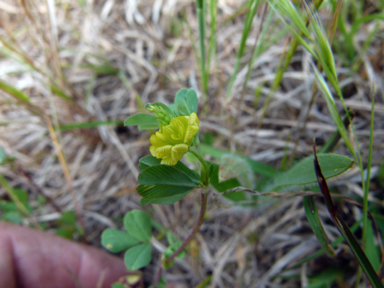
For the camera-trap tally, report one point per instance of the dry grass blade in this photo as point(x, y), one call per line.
point(65, 170)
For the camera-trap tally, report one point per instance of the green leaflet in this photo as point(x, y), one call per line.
point(116, 241)
point(163, 181)
point(139, 232)
point(138, 225)
point(256, 166)
point(185, 102)
point(138, 256)
point(141, 119)
point(150, 161)
point(221, 186)
point(164, 201)
point(303, 174)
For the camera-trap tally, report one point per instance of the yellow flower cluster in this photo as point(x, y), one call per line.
point(173, 140)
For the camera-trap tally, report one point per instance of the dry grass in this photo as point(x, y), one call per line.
point(148, 41)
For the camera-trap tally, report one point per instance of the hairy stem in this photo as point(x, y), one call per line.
point(194, 231)
point(205, 166)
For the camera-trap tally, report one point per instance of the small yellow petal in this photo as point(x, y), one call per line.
point(152, 149)
point(193, 119)
point(190, 133)
point(178, 151)
point(173, 132)
point(158, 139)
point(184, 120)
point(164, 151)
point(168, 161)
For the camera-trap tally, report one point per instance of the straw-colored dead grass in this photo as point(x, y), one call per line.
point(149, 43)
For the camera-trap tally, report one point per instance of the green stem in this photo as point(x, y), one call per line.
point(194, 231)
point(336, 136)
point(368, 175)
point(251, 12)
point(204, 175)
point(212, 35)
point(205, 166)
point(200, 5)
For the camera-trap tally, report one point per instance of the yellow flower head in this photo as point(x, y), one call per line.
point(173, 140)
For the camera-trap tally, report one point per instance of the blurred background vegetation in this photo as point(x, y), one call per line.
point(72, 71)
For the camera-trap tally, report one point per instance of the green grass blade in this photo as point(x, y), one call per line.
point(212, 35)
point(366, 45)
point(323, 87)
point(297, 35)
point(322, 47)
point(369, 165)
point(191, 38)
point(286, 8)
point(286, 59)
point(91, 124)
point(12, 55)
point(371, 249)
point(60, 93)
point(200, 5)
point(334, 244)
point(315, 223)
point(359, 253)
point(344, 229)
point(334, 139)
point(268, 35)
point(101, 70)
point(16, 93)
point(252, 8)
point(327, 61)
point(264, 42)
point(354, 29)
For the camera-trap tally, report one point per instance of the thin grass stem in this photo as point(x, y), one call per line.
point(212, 36)
point(251, 12)
point(200, 4)
point(368, 175)
point(282, 67)
point(256, 49)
